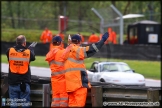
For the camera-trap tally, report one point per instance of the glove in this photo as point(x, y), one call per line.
point(32, 45)
point(105, 36)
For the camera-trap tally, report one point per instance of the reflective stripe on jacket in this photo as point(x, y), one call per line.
point(19, 61)
point(76, 75)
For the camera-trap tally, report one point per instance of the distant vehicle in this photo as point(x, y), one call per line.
point(115, 73)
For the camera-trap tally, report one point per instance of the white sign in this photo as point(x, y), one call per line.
point(152, 38)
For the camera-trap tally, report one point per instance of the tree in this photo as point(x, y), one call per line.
point(126, 8)
point(11, 14)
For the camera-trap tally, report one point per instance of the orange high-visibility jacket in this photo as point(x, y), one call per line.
point(55, 62)
point(59, 94)
point(93, 39)
point(46, 36)
point(114, 38)
point(76, 75)
point(19, 61)
point(110, 35)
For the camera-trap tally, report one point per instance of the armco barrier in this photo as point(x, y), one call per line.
point(124, 95)
point(101, 94)
point(132, 52)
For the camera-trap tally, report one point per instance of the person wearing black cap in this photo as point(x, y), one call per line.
point(59, 94)
point(75, 70)
point(19, 76)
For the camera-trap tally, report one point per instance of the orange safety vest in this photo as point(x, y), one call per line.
point(74, 64)
point(114, 38)
point(19, 61)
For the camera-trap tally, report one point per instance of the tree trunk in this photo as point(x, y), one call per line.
point(79, 16)
point(126, 7)
point(55, 11)
point(23, 21)
point(61, 7)
point(18, 14)
point(11, 14)
point(113, 2)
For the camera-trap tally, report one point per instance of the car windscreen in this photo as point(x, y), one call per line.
point(114, 67)
point(124, 68)
point(109, 68)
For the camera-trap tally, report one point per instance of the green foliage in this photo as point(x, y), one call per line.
point(38, 14)
point(150, 69)
point(9, 35)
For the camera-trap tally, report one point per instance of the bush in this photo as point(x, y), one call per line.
point(9, 35)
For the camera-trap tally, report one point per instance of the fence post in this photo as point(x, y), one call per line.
point(46, 95)
point(96, 96)
point(152, 95)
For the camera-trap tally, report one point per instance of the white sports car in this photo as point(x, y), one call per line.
point(115, 73)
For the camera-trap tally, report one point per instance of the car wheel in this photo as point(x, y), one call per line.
point(102, 80)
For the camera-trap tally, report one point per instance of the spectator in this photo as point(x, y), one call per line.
point(46, 36)
point(93, 38)
point(112, 37)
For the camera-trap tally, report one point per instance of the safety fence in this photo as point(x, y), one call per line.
point(101, 94)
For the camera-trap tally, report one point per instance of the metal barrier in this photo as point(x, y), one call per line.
point(97, 95)
point(101, 95)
